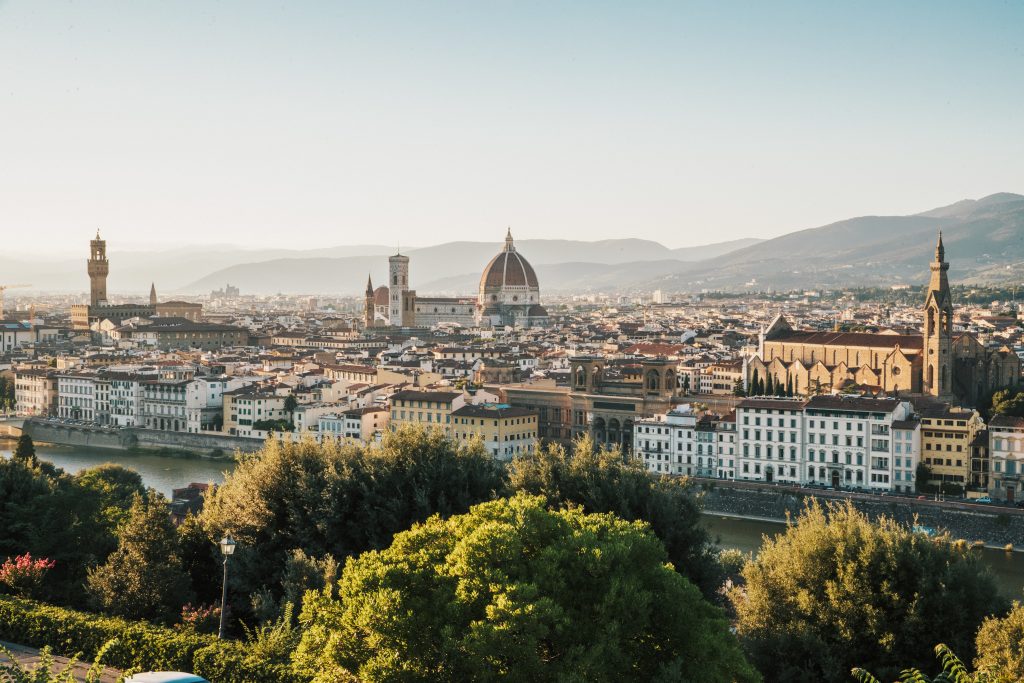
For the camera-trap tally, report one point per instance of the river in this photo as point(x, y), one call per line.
point(746, 535)
point(160, 472)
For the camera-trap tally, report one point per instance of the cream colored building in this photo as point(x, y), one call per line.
point(36, 392)
point(506, 432)
point(429, 409)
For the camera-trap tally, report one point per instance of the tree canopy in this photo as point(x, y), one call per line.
point(144, 578)
point(837, 591)
point(340, 499)
point(1000, 645)
point(600, 480)
point(515, 591)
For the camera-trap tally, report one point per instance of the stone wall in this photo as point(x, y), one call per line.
point(133, 438)
point(995, 526)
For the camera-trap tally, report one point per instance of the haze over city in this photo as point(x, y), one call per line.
point(304, 125)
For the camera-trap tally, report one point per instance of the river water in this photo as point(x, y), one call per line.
point(160, 472)
point(746, 535)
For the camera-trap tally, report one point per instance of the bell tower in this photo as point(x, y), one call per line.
point(368, 313)
point(398, 287)
point(938, 329)
point(98, 267)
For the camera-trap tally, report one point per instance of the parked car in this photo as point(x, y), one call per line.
point(165, 677)
point(983, 499)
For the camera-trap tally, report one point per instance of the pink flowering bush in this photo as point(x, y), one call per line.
point(200, 618)
point(23, 575)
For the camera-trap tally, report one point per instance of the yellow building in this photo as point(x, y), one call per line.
point(505, 431)
point(425, 409)
point(946, 437)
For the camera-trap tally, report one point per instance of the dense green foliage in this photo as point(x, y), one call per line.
point(46, 670)
point(1000, 645)
point(138, 645)
point(25, 451)
point(512, 590)
point(340, 500)
point(144, 578)
point(599, 480)
point(116, 488)
point(953, 671)
point(7, 401)
point(1008, 402)
point(50, 514)
point(837, 591)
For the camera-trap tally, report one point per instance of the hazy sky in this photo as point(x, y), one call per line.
point(303, 124)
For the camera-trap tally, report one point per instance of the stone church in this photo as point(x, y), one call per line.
point(509, 294)
point(938, 362)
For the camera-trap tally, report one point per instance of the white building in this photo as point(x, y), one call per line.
point(770, 440)
point(1006, 456)
point(725, 447)
point(666, 444)
point(76, 397)
point(35, 392)
point(162, 405)
point(850, 441)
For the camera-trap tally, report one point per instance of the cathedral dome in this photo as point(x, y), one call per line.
point(380, 296)
point(508, 269)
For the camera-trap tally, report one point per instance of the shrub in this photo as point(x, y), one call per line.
point(139, 645)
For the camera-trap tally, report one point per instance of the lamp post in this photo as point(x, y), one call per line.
point(227, 548)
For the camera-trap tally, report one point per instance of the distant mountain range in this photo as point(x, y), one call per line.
point(984, 243)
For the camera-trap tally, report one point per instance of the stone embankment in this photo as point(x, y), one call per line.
point(994, 526)
point(133, 438)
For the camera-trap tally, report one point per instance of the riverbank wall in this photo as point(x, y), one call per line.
point(132, 438)
point(995, 527)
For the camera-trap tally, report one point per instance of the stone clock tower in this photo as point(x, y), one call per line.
point(99, 267)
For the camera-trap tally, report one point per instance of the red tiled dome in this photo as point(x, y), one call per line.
point(508, 269)
point(380, 296)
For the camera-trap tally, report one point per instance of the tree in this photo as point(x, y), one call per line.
point(737, 388)
point(144, 577)
point(837, 590)
point(600, 481)
point(769, 385)
point(514, 590)
point(44, 512)
point(686, 384)
point(25, 451)
point(922, 478)
point(1000, 644)
point(953, 671)
point(115, 487)
point(341, 499)
point(291, 403)
point(1008, 402)
point(755, 384)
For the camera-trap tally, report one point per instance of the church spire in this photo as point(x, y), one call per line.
point(940, 251)
point(509, 246)
point(369, 285)
point(152, 294)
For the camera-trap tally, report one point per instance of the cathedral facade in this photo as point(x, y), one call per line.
point(509, 294)
point(938, 362)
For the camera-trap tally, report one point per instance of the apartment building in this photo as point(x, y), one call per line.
point(76, 396)
point(428, 409)
point(946, 437)
point(505, 431)
point(770, 440)
point(36, 392)
point(666, 444)
point(1006, 457)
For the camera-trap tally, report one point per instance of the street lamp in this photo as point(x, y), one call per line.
point(227, 548)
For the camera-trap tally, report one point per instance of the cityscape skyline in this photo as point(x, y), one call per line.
point(323, 123)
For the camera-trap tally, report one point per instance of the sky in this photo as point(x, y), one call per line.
point(310, 124)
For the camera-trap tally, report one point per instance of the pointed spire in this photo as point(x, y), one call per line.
point(509, 246)
point(97, 234)
point(940, 251)
point(152, 294)
point(369, 285)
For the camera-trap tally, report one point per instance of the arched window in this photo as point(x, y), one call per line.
point(394, 280)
